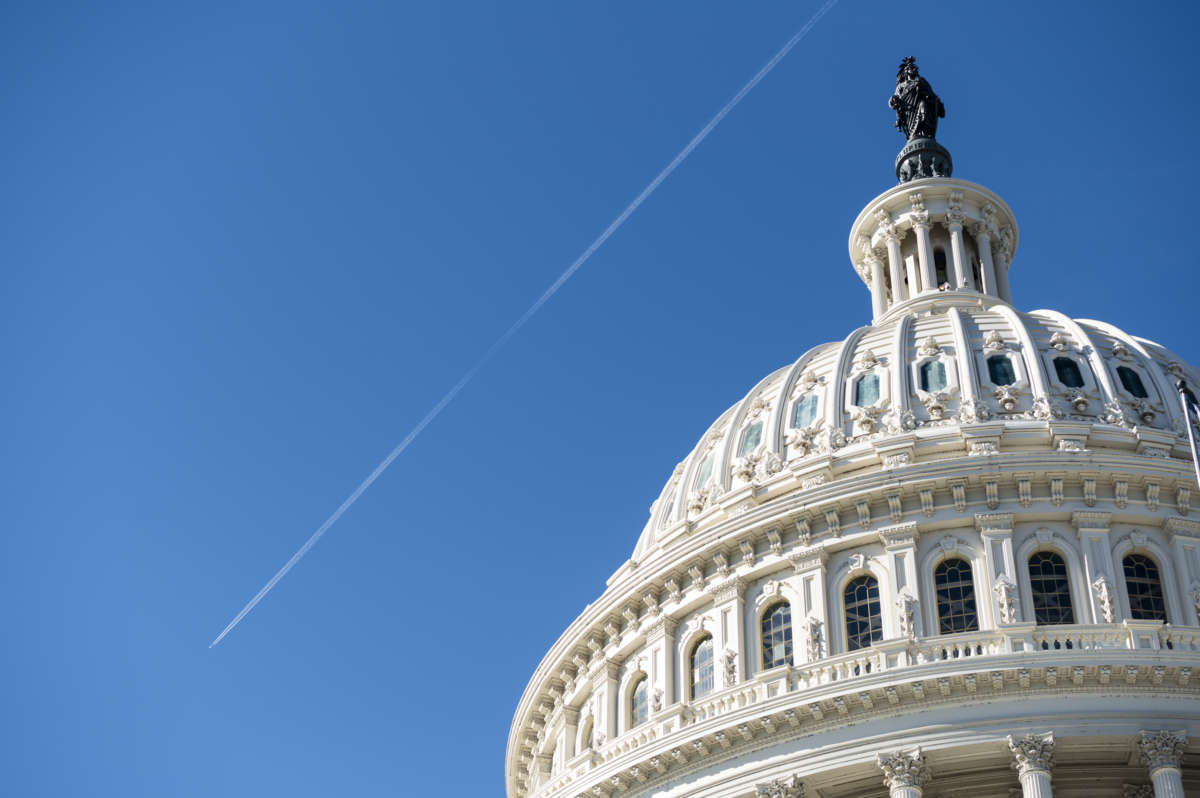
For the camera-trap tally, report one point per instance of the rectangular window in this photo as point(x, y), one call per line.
point(866, 390)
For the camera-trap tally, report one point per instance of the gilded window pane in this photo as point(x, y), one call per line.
point(777, 636)
point(955, 589)
point(1050, 588)
point(702, 668)
point(1144, 586)
point(864, 617)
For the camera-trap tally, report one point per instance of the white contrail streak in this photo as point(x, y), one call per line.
point(437, 409)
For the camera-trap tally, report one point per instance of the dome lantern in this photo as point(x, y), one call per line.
point(931, 238)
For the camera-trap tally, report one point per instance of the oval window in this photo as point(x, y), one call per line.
point(750, 439)
point(1132, 382)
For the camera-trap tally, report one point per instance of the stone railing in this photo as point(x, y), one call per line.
point(1028, 642)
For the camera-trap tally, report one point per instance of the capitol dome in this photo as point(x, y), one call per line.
point(949, 554)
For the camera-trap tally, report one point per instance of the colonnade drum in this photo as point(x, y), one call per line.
point(953, 553)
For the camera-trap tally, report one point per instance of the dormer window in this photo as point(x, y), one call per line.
point(804, 412)
point(933, 376)
point(1132, 382)
point(866, 390)
point(1000, 370)
point(1068, 372)
point(750, 439)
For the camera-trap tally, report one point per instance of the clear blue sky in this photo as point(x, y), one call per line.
point(246, 246)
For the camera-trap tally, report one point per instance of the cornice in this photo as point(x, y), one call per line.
point(800, 714)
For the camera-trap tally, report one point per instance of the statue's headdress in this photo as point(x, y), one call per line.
point(904, 65)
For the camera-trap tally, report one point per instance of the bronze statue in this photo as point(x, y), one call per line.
point(917, 107)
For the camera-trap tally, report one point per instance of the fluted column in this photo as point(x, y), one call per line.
point(987, 267)
point(904, 774)
point(878, 285)
point(1033, 759)
point(895, 265)
point(1162, 754)
point(954, 222)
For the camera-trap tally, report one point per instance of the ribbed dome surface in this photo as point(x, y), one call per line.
point(926, 371)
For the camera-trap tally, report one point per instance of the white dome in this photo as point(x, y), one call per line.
point(955, 543)
point(960, 330)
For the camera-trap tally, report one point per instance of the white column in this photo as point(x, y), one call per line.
point(660, 643)
point(813, 642)
point(878, 286)
point(988, 269)
point(1185, 546)
point(1161, 753)
point(896, 267)
point(1000, 584)
point(1098, 565)
point(904, 774)
point(1002, 281)
point(900, 543)
point(729, 649)
point(925, 257)
point(1033, 759)
point(962, 273)
point(605, 686)
point(570, 733)
point(913, 268)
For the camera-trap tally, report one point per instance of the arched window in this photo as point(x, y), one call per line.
point(777, 636)
point(639, 703)
point(1144, 586)
point(955, 588)
point(864, 618)
point(704, 473)
point(866, 390)
point(804, 412)
point(1000, 370)
point(750, 439)
point(1068, 372)
point(933, 376)
point(1132, 382)
point(1051, 589)
point(939, 266)
point(702, 668)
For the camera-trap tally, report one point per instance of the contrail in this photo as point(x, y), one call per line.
point(437, 409)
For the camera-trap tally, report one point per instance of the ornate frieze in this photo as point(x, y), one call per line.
point(791, 787)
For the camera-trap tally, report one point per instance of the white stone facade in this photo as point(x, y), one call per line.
point(956, 430)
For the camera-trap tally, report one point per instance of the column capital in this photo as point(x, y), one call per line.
point(728, 591)
point(994, 523)
point(903, 770)
point(1090, 520)
point(1161, 749)
point(791, 787)
point(1182, 527)
point(899, 535)
point(808, 559)
point(1032, 752)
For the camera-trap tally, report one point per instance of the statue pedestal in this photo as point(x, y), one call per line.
point(923, 158)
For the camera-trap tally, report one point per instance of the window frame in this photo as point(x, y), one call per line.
point(1067, 578)
point(694, 669)
point(789, 656)
point(937, 593)
point(871, 634)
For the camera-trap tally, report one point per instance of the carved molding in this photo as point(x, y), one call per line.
point(1032, 752)
point(903, 770)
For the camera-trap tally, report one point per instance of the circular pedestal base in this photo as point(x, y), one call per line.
point(923, 158)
